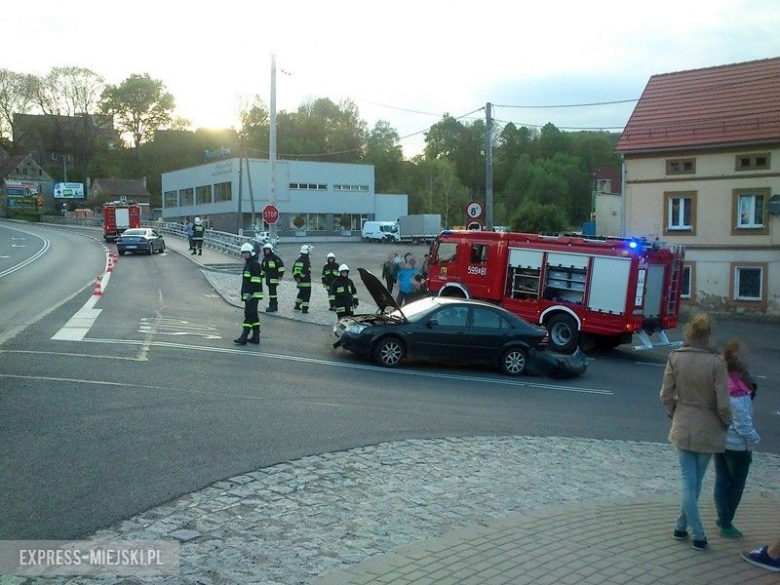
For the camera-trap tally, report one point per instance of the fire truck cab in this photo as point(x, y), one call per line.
point(591, 291)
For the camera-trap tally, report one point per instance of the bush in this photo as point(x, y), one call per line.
point(345, 221)
point(299, 222)
point(25, 214)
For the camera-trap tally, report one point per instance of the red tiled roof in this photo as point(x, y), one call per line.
point(730, 104)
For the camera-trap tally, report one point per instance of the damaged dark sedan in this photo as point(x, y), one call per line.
point(455, 330)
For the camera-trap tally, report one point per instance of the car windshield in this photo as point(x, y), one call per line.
point(415, 310)
point(134, 232)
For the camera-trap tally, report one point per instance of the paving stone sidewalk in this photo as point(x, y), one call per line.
point(316, 516)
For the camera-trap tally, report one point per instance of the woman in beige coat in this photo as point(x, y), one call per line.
point(696, 396)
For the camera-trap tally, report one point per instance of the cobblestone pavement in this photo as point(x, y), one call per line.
point(293, 522)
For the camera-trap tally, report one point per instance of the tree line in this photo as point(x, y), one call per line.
point(543, 178)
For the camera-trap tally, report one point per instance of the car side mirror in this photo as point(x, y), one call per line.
point(433, 323)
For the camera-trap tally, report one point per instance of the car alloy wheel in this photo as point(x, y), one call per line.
point(514, 362)
point(389, 352)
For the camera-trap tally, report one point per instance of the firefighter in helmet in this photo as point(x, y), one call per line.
point(330, 271)
point(251, 294)
point(302, 275)
point(198, 231)
point(343, 295)
point(273, 268)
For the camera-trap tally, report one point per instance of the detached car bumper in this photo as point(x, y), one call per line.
point(560, 365)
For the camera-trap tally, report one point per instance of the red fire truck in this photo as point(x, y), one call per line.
point(119, 216)
point(592, 291)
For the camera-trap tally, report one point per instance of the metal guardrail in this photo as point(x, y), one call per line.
point(224, 242)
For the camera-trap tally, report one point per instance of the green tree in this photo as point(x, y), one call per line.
point(17, 94)
point(140, 105)
point(551, 141)
point(324, 130)
point(384, 152)
point(461, 144)
point(538, 218)
point(70, 96)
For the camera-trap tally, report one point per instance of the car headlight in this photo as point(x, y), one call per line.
point(355, 328)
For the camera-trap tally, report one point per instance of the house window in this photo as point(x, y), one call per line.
point(752, 162)
point(680, 212)
point(686, 283)
point(203, 195)
point(223, 191)
point(749, 210)
point(171, 199)
point(747, 283)
point(681, 166)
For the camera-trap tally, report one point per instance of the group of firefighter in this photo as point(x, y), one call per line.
point(342, 294)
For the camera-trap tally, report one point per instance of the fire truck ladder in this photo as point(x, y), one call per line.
point(674, 289)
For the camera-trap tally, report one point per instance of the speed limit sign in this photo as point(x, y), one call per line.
point(474, 210)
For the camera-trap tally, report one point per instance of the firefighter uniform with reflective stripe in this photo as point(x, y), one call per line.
point(198, 231)
point(251, 294)
point(302, 275)
point(343, 296)
point(329, 272)
point(273, 267)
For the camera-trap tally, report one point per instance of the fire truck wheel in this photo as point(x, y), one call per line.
point(513, 362)
point(564, 334)
point(389, 352)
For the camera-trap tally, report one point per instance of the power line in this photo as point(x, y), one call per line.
point(568, 105)
point(521, 124)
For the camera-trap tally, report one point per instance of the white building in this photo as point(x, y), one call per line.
point(316, 192)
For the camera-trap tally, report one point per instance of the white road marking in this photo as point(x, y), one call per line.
point(31, 259)
point(70, 354)
point(398, 372)
point(264, 399)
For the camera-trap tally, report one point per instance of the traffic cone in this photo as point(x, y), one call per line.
point(98, 290)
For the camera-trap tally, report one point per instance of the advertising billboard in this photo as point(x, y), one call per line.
point(68, 190)
point(20, 188)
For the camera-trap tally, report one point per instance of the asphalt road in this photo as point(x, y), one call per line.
point(156, 401)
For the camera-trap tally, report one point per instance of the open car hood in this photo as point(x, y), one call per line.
point(378, 291)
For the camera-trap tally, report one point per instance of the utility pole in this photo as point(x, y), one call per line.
point(65, 158)
point(489, 167)
point(240, 220)
point(272, 147)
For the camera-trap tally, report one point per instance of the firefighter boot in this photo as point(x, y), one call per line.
point(243, 339)
point(255, 335)
point(194, 251)
point(200, 251)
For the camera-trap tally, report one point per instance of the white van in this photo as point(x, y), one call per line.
point(381, 231)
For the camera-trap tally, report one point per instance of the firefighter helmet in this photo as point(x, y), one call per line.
point(331, 255)
point(198, 221)
point(343, 268)
point(304, 249)
point(248, 248)
point(268, 246)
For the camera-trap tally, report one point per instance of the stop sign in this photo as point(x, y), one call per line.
point(270, 214)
